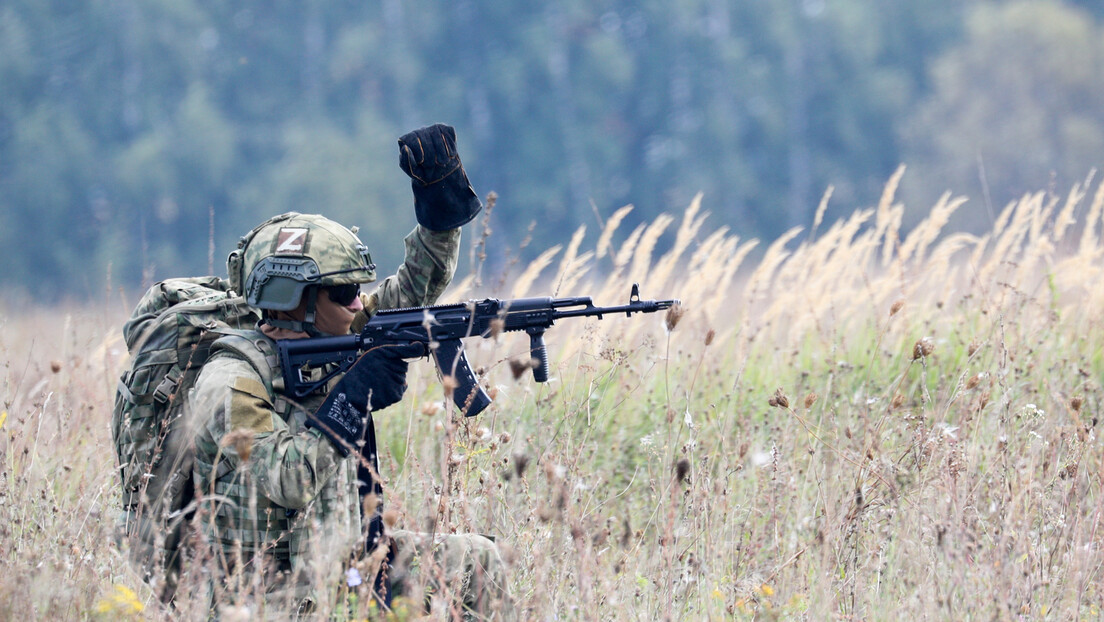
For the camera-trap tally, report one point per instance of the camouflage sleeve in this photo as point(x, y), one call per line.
point(431, 258)
point(235, 423)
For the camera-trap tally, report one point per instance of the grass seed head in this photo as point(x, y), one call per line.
point(923, 348)
point(520, 366)
point(709, 336)
point(779, 399)
point(674, 316)
point(682, 469)
point(242, 442)
point(521, 462)
point(55, 366)
point(810, 399)
point(896, 307)
point(390, 517)
point(1076, 403)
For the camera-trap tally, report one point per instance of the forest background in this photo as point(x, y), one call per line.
point(139, 139)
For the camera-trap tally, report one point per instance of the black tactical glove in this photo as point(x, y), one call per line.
point(374, 382)
point(443, 197)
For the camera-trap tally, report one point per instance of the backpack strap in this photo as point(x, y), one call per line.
point(160, 394)
point(260, 352)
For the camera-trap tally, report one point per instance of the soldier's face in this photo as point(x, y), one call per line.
point(333, 318)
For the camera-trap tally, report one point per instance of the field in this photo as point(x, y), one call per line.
point(857, 424)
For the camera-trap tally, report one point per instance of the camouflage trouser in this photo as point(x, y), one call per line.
point(462, 573)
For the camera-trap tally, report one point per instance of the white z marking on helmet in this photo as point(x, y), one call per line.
point(291, 240)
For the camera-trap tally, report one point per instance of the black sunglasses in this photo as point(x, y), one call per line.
point(343, 294)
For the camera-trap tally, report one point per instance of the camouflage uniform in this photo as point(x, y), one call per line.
point(280, 508)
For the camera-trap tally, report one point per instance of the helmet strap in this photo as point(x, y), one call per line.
point(308, 319)
point(306, 325)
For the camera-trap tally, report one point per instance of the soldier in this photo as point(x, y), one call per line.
point(288, 488)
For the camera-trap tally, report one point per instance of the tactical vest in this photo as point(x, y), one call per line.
point(246, 520)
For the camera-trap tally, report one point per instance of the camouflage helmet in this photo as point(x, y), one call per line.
point(275, 262)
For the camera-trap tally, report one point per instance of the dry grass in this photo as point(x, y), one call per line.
point(858, 426)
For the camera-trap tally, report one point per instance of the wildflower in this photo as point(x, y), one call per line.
point(1075, 405)
point(923, 348)
point(950, 431)
point(122, 601)
point(3, 418)
point(766, 590)
point(554, 471)
point(976, 379)
point(779, 399)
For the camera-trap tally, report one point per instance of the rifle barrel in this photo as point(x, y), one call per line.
point(641, 306)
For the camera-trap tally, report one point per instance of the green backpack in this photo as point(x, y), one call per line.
point(169, 337)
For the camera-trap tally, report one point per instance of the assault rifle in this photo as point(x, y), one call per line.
point(439, 329)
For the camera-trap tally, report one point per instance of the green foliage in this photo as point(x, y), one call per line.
point(139, 120)
point(1019, 104)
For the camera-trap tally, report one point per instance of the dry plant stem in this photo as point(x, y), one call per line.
point(479, 249)
point(997, 520)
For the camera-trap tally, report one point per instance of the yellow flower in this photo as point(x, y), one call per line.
point(3, 418)
point(766, 590)
point(122, 601)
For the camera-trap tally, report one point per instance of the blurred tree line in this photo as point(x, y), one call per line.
point(139, 138)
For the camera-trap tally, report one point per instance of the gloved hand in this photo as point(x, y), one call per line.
point(376, 381)
point(443, 197)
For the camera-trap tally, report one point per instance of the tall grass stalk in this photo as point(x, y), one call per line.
point(865, 423)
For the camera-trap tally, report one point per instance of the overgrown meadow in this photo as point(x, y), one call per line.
point(858, 423)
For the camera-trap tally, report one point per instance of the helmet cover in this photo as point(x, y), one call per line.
point(275, 263)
